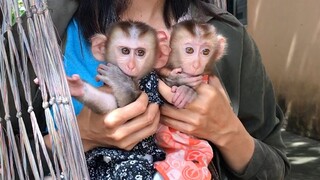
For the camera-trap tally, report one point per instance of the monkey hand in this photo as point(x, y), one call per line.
point(124, 88)
point(177, 77)
point(76, 86)
point(182, 95)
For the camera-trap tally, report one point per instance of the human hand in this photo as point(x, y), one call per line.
point(122, 128)
point(209, 116)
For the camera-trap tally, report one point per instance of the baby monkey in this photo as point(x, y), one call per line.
point(130, 50)
point(195, 47)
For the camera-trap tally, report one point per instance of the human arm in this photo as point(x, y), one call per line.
point(249, 139)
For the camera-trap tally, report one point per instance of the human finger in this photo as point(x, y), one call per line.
point(144, 130)
point(177, 124)
point(214, 81)
point(121, 115)
point(139, 122)
point(205, 93)
point(172, 112)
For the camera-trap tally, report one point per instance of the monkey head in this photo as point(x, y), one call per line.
point(195, 47)
point(131, 45)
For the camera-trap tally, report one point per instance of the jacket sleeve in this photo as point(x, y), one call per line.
point(261, 116)
point(250, 90)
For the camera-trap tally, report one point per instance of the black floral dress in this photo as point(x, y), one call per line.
point(109, 164)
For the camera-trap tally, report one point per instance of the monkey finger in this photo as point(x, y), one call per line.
point(97, 78)
point(189, 80)
point(177, 70)
point(75, 76)
point(101, 78)
point(183, 75)
point(103, 71)
point(179, 99)
point(108, 66)
point(182, 104)
point(186, 96)
point(174, 89)
point(104, 66)
point(195, 84)
point(176, 96)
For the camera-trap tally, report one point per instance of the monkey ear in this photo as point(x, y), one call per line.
point(98, 46)
point(164, 50)
point(221, 48)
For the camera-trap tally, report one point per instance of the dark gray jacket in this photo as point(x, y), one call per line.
point(244, 78)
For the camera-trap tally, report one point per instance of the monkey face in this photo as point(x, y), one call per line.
point(131, 60)
point(134, 56)
point(195, 55)
point(195, 47)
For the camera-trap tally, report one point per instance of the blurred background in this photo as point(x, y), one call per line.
point(287, 33)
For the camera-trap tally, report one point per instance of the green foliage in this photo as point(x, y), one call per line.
point(22, 9)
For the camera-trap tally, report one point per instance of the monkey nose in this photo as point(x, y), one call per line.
point(131, 64)
point(196, 64)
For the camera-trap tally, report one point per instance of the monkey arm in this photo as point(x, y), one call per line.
point(165, 91)
point(98, 101)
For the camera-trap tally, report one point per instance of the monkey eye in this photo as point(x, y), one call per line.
point(125, 51)
point(206, 51)
point(189, 50)
point(140, 52)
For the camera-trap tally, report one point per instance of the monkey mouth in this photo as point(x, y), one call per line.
point(193, 74)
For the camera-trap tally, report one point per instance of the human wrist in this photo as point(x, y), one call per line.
point(234, 142)
point(88, 145)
